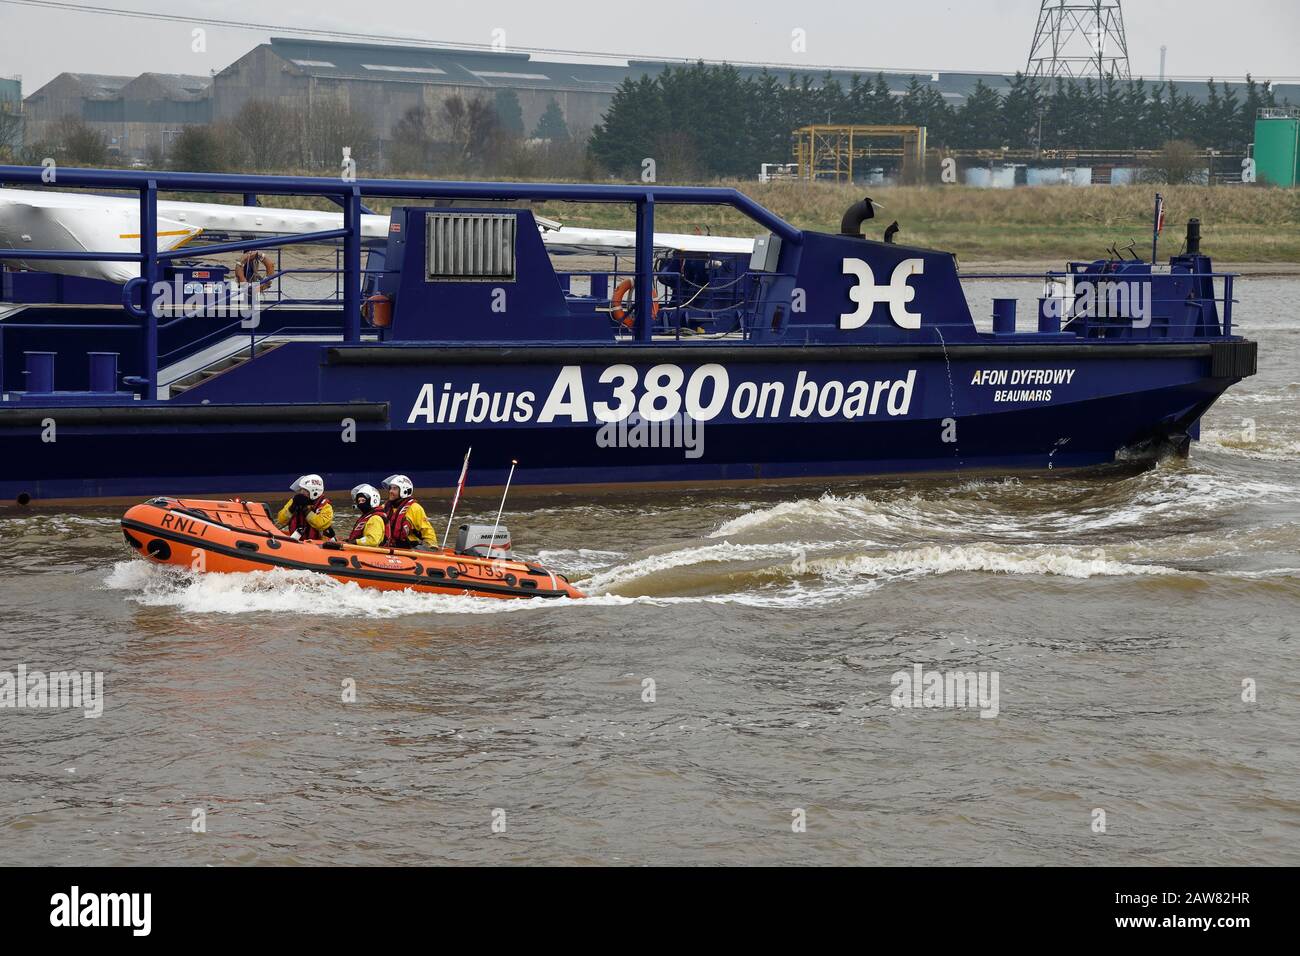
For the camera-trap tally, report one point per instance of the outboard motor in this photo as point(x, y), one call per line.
point(477, 540)
point(855, 216)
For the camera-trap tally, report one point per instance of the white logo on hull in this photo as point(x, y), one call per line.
point(866, 294)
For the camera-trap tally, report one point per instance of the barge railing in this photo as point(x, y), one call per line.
point(347, 194)
point(1225, 300)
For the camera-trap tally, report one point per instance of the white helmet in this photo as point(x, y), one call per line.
point(310, 485)
point(401, 483)
point(369, 492)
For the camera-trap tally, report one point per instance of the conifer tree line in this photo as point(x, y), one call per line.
point(710, 120)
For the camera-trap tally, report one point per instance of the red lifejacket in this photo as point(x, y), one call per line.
point(359, 529)
point(397, 528)
point(298, 521)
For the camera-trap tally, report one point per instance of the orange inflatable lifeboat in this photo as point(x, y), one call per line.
point(236, 536)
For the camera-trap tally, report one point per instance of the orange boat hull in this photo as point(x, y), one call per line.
point(240, 536)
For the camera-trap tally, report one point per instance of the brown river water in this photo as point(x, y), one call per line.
point(1122, 617)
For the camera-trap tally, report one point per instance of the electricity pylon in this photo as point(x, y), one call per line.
point(1075, 40)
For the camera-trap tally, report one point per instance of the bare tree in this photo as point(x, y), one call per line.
point(332, 126)
point(203, 149)
point(679, 157)
point(34, 154)
point(471, 129)
point(78, 142)
point(413, 142)
point(1179, 161)
point(11, 126)
point(519, 158)
point(154, 156)
point(266, 135)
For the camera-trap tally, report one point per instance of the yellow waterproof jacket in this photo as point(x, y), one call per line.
point(320, 515)
point(411, 527)
point(372, 534)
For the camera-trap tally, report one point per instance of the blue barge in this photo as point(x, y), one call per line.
point(465, 319)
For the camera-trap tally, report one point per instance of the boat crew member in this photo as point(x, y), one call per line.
point(406, 524)
point(308, 515)
point(369, 529)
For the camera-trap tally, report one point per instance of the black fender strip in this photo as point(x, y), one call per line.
point(1234, 359)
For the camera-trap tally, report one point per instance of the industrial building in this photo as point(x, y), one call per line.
point(68, 94)
point(138, 116)
point(11, 110)
point(385, 81)
point(150, 110)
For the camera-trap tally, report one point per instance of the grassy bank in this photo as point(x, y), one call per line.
point(1238, 224)
point(1045, 224)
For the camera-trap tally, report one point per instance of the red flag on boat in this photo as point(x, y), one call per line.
point(460, 486)
point(1157, 226)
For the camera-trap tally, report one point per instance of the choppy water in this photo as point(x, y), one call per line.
point(1121, 615)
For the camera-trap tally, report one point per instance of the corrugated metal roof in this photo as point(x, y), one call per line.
point(95, 85)
point(402, 64)
point(176, 86)
point(417, 64)
point(391, 63)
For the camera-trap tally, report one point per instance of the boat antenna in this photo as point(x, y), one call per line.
point(1157, 225)
point(460, 486)
point(492, 541)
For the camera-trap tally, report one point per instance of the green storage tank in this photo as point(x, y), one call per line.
point(1277, 146)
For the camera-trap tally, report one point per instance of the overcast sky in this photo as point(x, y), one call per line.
point(1203, 36)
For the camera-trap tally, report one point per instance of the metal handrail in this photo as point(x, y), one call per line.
point(1064, 274)
point(1227, 300)
point(406, 189)
point(348, 193)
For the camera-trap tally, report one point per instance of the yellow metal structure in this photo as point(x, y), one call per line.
point(830, 152)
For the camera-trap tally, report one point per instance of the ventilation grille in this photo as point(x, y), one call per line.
point(473, 246)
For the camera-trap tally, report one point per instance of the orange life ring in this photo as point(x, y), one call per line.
point(616, 307)
point(378, 311)
point(246, 271)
